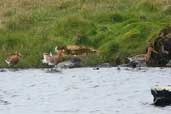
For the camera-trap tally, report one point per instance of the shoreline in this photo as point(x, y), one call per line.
point(23, 68)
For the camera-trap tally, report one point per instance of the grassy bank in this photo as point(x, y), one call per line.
point(115, 27)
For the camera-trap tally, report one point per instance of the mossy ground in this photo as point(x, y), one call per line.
point(115, 27)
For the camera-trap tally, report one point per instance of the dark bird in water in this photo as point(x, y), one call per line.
point(13, 59)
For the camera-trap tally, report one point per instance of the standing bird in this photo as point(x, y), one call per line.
point(47, 58)
point(58, 57)
point(142, 59)
point(13, 59)
point(52, 60)
point(147, 56)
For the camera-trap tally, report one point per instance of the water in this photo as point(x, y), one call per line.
point(82, 91)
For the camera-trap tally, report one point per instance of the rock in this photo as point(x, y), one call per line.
point(96, 68)
point(135, 61)
point(2, 70)
point(65, 64)
point(162, 44)
point(72, 63)
point(162, 95)
point(133, 64)
point(76, 61)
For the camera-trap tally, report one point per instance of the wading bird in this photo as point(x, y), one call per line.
point(53, 59)
point(13, 59)
point(147, 56)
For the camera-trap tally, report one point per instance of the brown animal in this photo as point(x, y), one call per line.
point(147, 56)
point(58, 57)
point(13, 59)
point(53, 59)
point(144, 57)
point(78, 50)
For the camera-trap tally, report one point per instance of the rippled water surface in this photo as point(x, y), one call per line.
point(82, 91)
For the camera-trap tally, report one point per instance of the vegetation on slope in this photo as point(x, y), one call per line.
point(115, 27)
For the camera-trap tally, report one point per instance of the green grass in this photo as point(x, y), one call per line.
point(115, 27)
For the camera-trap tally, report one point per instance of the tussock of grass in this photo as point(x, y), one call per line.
point(115, 27)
